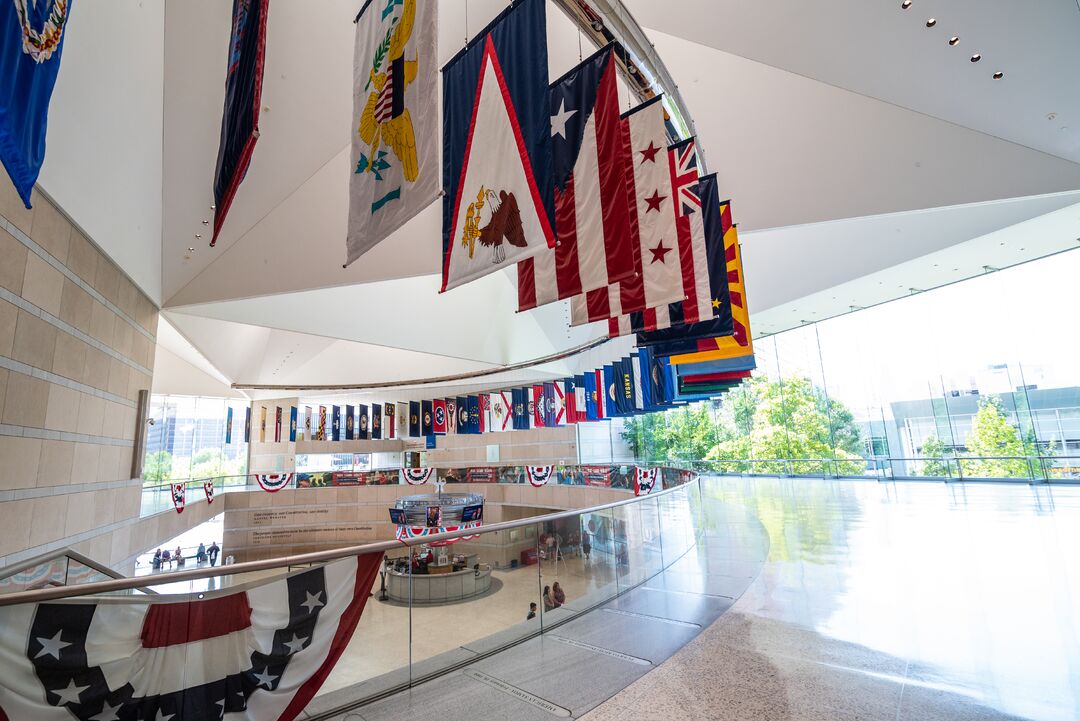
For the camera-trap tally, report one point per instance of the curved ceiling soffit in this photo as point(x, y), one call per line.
point(646, 76)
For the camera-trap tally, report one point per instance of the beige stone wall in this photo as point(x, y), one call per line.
point(76, 347)
point(268, 525)
point(533, 447)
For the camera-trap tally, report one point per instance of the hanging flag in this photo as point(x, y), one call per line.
point(502, 418)
point(485, 412)
point(626, 385)
point(309, 420)
point(601, 395)
point(462, 404)
point(569, 399)
point(580, 404)
point(250, 653)
point(645, 480)
point(714, 310)
point(243, 93)
point(399, 422)
point(335, 423)
point(596, 241)
point(292, 424)
point(657, 277)
point(350, 427)
point(376, 421)
point(178, 496)
point(323, 429)
point(519, 404)
point(277, 425)
point(474, 414)
point(438, 410)
point(247, 425)
point(228, 425)
point(547, 404)
point(426, 419)
point(536, 405)
point(635, 374)
point(650, 399)
point(395, 156)
point(497, 207)
point(539, 476)
point(414, 419)
point(362, 421)
point(611, 409)
point(31, 42)
point(208, 489)
point(451, 416)
point(591, 409)
point(262, 424)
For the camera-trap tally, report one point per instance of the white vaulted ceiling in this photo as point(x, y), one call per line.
point(854, 140)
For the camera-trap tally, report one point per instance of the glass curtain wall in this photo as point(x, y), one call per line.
point(188, 439)
point(976, 380)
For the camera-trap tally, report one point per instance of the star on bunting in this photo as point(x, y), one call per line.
point(296, 645)
point(655, 201)
point(108, 713)
point(265, 678)
point(51, 646)
point(648, 155)
point(69, 694)
point(659, 252)
point(313, 601)
point(162, 717)
point(558, 120)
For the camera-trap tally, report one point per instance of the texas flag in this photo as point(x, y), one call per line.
point(593, 202)
point(250, 655)
point(658, 277)
point(497, 206)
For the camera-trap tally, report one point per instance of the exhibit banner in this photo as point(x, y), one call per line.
point(483, 475)
point(347, 478)
point(597, 475)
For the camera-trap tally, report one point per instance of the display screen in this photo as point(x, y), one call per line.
point(434, 516)
point(472, 513)
point(397, 515)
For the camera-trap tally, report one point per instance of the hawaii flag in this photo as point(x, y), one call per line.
point(395, 130)
point(658, 277)
point(256, 654)
point(497, 207)
point(597, 243)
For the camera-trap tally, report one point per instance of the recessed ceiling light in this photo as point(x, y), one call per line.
point(976, 58)
point(198, 235)
point(999, 75)
point(931, 22)
point(191, 250)
point(954, 41)
point(906, 4)
point(206, 222)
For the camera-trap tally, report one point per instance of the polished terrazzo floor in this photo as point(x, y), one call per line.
point(880, 601)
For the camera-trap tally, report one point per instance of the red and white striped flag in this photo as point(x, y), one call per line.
point(592, 195)
point(658, 278)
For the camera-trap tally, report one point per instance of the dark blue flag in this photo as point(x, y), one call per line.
point(520, 402)
point(592, 412)
point(335, 423)
point(498, 202)
point(31, 41)
point(426, 428)
point(376, 421)
point(474, 414)
point(547, 408)
point(649, 399)
point(247, 425)
point(243, 93)
point(292, 424)
point(228, 425)
point(626, 387)
point(414, 419)
point(362, 421)
point(350, 428)
point(611, 409)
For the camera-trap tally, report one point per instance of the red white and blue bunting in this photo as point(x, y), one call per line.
point(406, 532)
point(273, 482)
point(539, 475)
point(645, 480)
point(178, 496)
point(208, 489)
point(416, 476)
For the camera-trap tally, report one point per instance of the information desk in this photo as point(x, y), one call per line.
point(440, 585)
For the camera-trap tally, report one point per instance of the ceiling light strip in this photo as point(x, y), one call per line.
point(428, 381)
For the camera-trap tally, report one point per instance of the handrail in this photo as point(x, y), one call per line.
point(88, 589)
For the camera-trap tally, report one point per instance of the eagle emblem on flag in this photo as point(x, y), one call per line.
point(502, 221)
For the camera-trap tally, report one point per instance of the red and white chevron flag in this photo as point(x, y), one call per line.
point(251, 655)
point(273, 482)
point(416, 476)
point(539, 475)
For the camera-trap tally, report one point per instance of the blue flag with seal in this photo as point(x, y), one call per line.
point(31, 41)
point(498, 206)
point(395, 152)
point(462, 405)
point(361, 421)
point(591, 410)
point(519, 401)
point(247, 425)
point(292, 424)
point(474, 414)
point(414, 419)
point(375, 429)
point(243, 100)
point(426, 419)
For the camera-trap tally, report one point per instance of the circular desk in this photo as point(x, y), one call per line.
point(439, 586)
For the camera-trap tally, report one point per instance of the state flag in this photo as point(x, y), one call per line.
point(277, 425)
point(484, 401)
point(474, 414)
point(397, 421)
point(592, 409)
point(501, 416)
point(322, 424)
point(262, 424)
point(376, 421)
point(451, 416)
point(548, 404)
point(593, 202)
point(536, 405)
point(309, 422)
point(414, 419)
point(247, 425)
point(335, 426)
point(362, 421)
point(292, 424)
point(497, 204)
point(570, 399)
point(350, 420)
point(462, 404)
point(521, 408)
point(635, 373)
point(657, 279)
point(611, 408)
point(713, 309)
point(580, 394)
point(228, 425)
point(438, 410)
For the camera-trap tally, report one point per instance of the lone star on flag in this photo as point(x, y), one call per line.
point(648, 155)
point(659, 252)
point(654, 201)
point(715, 302)
point(558, 120)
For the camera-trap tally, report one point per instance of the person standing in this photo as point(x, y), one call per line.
point(557, 594)
point(213, 552)
point(586, 545)
point(200, 554)
point(532, 611)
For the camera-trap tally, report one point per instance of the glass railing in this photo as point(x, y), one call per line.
point(437, 603)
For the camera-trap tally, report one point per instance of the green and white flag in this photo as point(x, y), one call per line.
point(395, 131)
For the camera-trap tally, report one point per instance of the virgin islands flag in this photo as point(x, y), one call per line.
point(395, 157)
